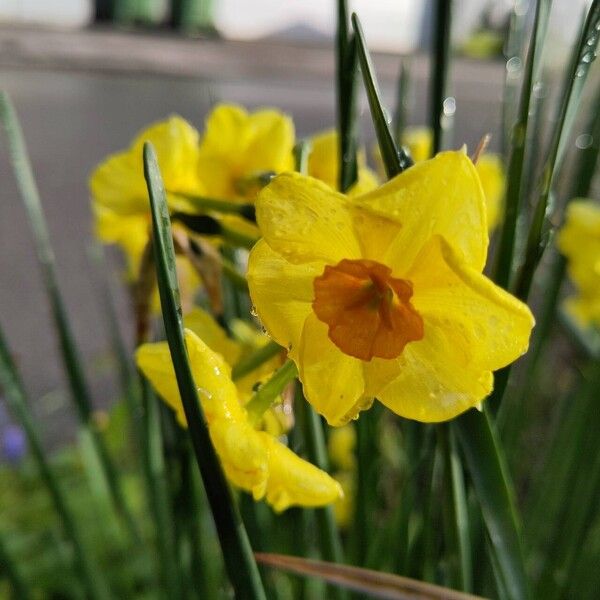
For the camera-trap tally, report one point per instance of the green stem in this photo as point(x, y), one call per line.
point(203, 204)
point(157, 489)
point(206, 225)
point(402, 92)
point(69, 352)
point(16, 399)
point(440, 59)
point(256, 359)
point(330, 543)
point(231, 272)
point(239, 560)
point(301, 154)
point(263, 398)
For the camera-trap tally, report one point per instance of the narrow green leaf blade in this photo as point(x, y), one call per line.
point(365, 581)
point(486, 467)
point(394, 160)
point(69, 352)
point(239, 561)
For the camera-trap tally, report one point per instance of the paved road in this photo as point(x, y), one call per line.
point(78, 103)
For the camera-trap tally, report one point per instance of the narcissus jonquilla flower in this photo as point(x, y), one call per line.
point(253, 460)
point(382, 295)
point(118, 189)
point(237, 146)
point(323, 164)
point(579, 241)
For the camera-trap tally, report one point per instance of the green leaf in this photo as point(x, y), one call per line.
point(69, 352)
point(402, 93)
point(14, 393)
point(11, 569)
point(487, 470)
point(440, 60)
point(209, 226)
point(364, 581)
point(346, 66)
point(394, 160)
point(514, 175)
point(239, 561)
point(541, 227)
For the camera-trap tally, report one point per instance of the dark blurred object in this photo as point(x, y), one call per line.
point(191, 16)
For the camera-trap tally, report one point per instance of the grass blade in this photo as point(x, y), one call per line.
point(440, 60)
point(69, 352)
point(9, 568)
point(514, 175)
point(330, 542)
point(402, 94)
point(365, 581)
point(16, 399)
point(239, 561)
point(394, 160)
point(346, 65)
point(486, 467)
point(541, 227)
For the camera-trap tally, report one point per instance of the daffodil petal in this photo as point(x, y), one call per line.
point(212, 375)
point(272, 142)
point(491, 173)
point(154, 360)
point(491, 325)
point(294, 481)
point(242, 453)
point(281, 292)
point(130, 232)
point(439, 196)
point(118, 182)
point(212, 334)
point(333, 382)
point(436, 381)
point(304, 220)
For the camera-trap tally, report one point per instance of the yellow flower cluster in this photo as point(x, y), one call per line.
point(255, 461)
point(579, 241)
point(378, 293)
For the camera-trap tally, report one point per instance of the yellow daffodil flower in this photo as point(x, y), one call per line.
point(383, 295)
point(324, 161)
point(118, 188)
point(419, 141)
point(579, 241)
point(237, 146)
point(343, 509)
point(253, 460)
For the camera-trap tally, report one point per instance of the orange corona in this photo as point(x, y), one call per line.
point(368, 311)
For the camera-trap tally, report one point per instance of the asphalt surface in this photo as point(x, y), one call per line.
point(79, 106)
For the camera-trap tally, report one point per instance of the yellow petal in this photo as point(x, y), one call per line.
point(343, 509)
point(419, 141)
point(323, 164)
point(216, 391)
point(472, 328)
point(242, 453)
point(304, 220)
point(438, 196)
point(491, 172)
point(281, 292)
point(212, 334)
point(490, 324)
point(333, 382)
point(118, 182)
point(154, 360)
point(129, 232)
point(294, 481)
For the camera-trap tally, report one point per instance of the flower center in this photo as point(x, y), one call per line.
point(367, 310)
